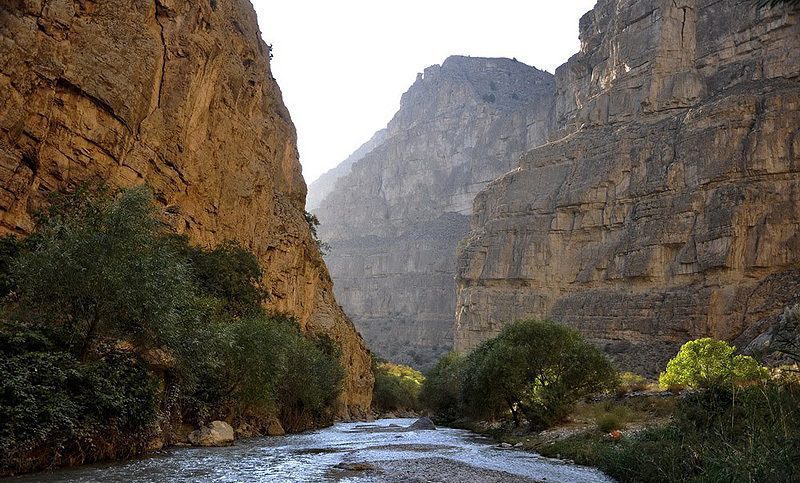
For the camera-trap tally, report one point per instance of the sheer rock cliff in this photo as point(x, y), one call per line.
point(394, 221)
point(177, 94)
point(667, 206)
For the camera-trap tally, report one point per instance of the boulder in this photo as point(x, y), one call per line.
point(274, 428)
point(423, 423)
point(218, 433)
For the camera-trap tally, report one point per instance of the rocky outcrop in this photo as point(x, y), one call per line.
point(217, 433)
point(319, 188)
point(179, 95)
point(667, 206)
point(395, 220)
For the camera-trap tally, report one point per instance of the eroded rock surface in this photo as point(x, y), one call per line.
point(668, 205)
point(177, 94)
point(395, 220)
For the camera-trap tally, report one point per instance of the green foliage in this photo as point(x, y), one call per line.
point(536, 369)
point(313, 224)
point(231, 274)
point(312, 380)
point(708, 363)
point(397, 387)
point(631, 382)
point(98, 267)
point(56, 410)
point(10, 248)
point(102, 272)
point(747, 433)
point(441, 390)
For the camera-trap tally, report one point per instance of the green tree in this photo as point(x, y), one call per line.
point(707, 362)
point(229, 273)
point(536, 369)
point(441, 389)
point(98, 266)
point(396, 386)
point(312, 381)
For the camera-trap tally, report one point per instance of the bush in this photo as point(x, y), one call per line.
point(630, 382)
point(397, 387)
point(441, 390)
point(707, 362)
point(747, 433)
point(536, 369)
point(55, 410)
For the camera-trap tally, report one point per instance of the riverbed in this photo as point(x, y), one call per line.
point(345, 452)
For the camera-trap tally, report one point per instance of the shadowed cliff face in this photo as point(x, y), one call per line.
point(668, 205)
point(394, 222)
point(179, 95)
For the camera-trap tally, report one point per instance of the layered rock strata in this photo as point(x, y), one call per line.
point(395, 220)
point(667, 206)
point(177, 94)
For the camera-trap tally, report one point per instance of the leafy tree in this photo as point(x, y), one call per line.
point(536, 369)
point(98, 267)
point(396, 386)
point(313, 224)
point(710, 363)
point(441, 389)
point(228, 272)
point(312, 381)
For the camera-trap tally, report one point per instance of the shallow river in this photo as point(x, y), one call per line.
point(441, 455)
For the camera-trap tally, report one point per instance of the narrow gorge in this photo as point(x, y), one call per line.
point(660, 205)
point(396, 214)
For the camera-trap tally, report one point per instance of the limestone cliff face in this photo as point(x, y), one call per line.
point(395, 220)
point(177, 94)
point(667, 206)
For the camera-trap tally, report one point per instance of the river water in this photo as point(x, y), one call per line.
point(441, 455)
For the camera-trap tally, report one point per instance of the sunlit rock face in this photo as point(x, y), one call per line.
point(177, 94)
point(395, 220)
point(667, 206)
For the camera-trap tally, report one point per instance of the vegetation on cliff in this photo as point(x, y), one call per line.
point(114, 329)
point(397, 387)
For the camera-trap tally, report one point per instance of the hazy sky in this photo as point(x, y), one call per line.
point(342, 66)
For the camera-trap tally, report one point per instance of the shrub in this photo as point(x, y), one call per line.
point(441, 390)
point(630, 382)
point(56, 410)
point(539, 369)
point(101, 272)
point(707, 363)
point(397, 387)
point(609, 422)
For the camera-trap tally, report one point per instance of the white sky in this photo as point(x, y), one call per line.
point(343, 65)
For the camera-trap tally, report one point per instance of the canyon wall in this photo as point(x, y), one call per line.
point(177, 94)
point(318, 189)
point(667, 206)
point(395, 220)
